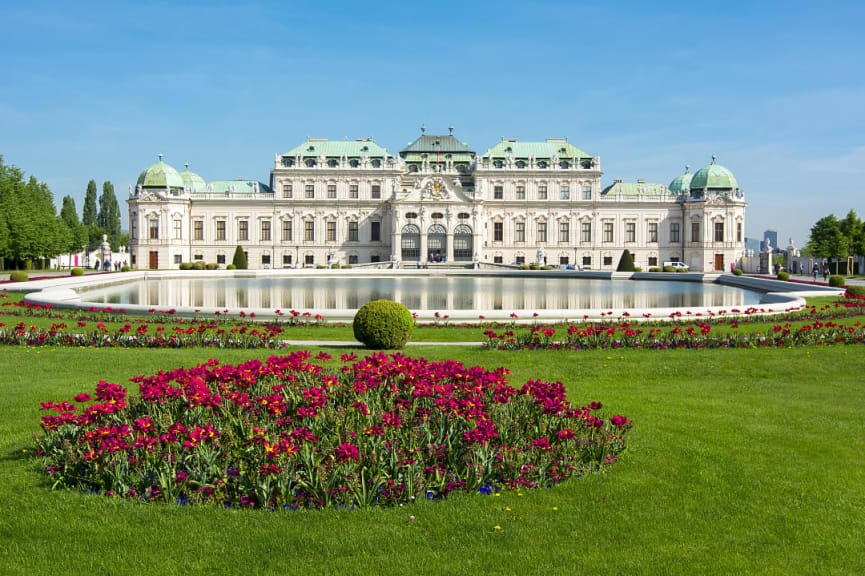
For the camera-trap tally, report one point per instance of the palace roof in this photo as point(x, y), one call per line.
point(638, 188)
point(551, 147)
point(338, 148)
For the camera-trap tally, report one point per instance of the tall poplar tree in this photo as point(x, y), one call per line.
point(78, 238)
point(88, 215)
point(109, 214)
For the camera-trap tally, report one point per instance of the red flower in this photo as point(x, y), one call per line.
point(346, 452)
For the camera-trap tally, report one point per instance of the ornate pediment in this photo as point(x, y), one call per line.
point(435, 187)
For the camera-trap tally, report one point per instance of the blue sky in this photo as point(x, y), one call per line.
point(775, 90)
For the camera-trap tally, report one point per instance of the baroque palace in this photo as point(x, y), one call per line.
point(352, 202)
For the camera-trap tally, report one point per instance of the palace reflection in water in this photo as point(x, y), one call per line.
point(428, 293)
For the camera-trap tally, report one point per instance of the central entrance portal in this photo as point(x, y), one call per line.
point(437, 243)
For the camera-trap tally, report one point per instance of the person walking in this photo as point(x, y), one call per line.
point(825, 272)
point(814, 271)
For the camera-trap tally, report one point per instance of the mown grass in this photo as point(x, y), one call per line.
point(741, 461)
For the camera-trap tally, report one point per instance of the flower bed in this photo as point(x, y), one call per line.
point(288, 433)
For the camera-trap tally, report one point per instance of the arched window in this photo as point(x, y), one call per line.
point(410, 215)
point(376, 163)
point(542, 164)
point(331, 163)
point(464, 216)
point(521, 164)
point(463, 242)
point(410, 248)
point(353, 163)
point(437, 215)
point(310, 162)
point(437, 243)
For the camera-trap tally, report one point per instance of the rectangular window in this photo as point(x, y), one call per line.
point(265, 260)
point(154, 229)
point(521, 192)
point(630, 232)
point(331, 231)
point(653, 231)
point(376, 191)
point(310, 190)
point(498, 260)
point(674, 232)
point(695, 231)
point(498, 192)
point(243, 230)
point(563, 261)
point(198, 257)
point(608, 231)
point(353, 191)
point(586, 232)
point(520, 232)
point(375, 258)
point(309, 260)
point(608, 260)
point(564, 191)
point(265, 230)
point(133, 229)
point(286, 231)
point(498, 231)
point(542, 191)
point(220, 229)
point(198, 229)
point(352, 231)
point(542, 231)
point(309, 231)
point(178, 258)
point(220, 258)
point(286, 260)
point(719, 231)
point(564, 232)
point(587, 261)
point(286, 191)
point(653, 260)
point(352, 259)
point(520, 260)
point(375, 232)
point(177, 224)
point(587, 191)
point(738, 231)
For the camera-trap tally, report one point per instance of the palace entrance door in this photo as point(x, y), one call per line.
point(719, 262)
point(154, 261)
point(437, 243)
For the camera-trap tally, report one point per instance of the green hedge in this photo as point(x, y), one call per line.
point(125, 269)
point(524, 266)
point(837, 281)
point(383, 324)
point(737, 271)
point(856, 290)
point(77, 272)
point(18, 276)
point(783, 275)
point(655, 269)
point(669, 269)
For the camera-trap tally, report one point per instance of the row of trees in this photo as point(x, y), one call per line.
point(836, 239)
point(31, 230)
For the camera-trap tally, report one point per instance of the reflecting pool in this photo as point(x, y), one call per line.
point(427, 293)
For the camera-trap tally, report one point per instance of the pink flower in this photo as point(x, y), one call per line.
point(346, 452)
point(82, 398)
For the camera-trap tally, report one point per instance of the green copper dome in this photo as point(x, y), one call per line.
point(714, 178)
point(682, 184)
point(160, 175)
point(192, 181)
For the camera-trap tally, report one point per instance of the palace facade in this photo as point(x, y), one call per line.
point(352, 202)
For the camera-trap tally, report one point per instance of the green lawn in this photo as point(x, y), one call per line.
point(740, 461)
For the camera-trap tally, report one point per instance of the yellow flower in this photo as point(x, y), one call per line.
point(554, 508)
point(507, 509)
point(497, 527)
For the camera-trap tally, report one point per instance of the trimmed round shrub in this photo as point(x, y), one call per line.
point(524, 266)
point(199, 265)
point(77, 272)
point(334, 266)
point(737, 272)
point(125, 269)
point(669, 269)
point(321, 266)
point(783, 275)
point(837, 281)
point(383, 324)
point(682, 270)
point(18, 276)
point(534, 266)
point(231, 267)
point(856, 290)
point(211, 266)
point(186, 265)
point(345, 266)
point(655, 269)
point(546, 267)
point(637, 269)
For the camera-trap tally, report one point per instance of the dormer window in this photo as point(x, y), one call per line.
point(563, 150)
point(310, 162)
point(564, 164)
point(521, 164)
point(376, 163)
point(353, 163)
point(498, 164)
point(331, 163)
point(286, 161)
point(542, 164)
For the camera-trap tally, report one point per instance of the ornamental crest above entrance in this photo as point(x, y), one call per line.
point(435, 187)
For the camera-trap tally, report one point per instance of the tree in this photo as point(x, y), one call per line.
point(852, 228)
point(239, 260)
point(827, 240)
point(88, 215)
point(109, 213)
point(78, 236)
point(626, 263)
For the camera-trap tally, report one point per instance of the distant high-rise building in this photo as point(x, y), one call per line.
point(771, 236)
point(753, 244)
